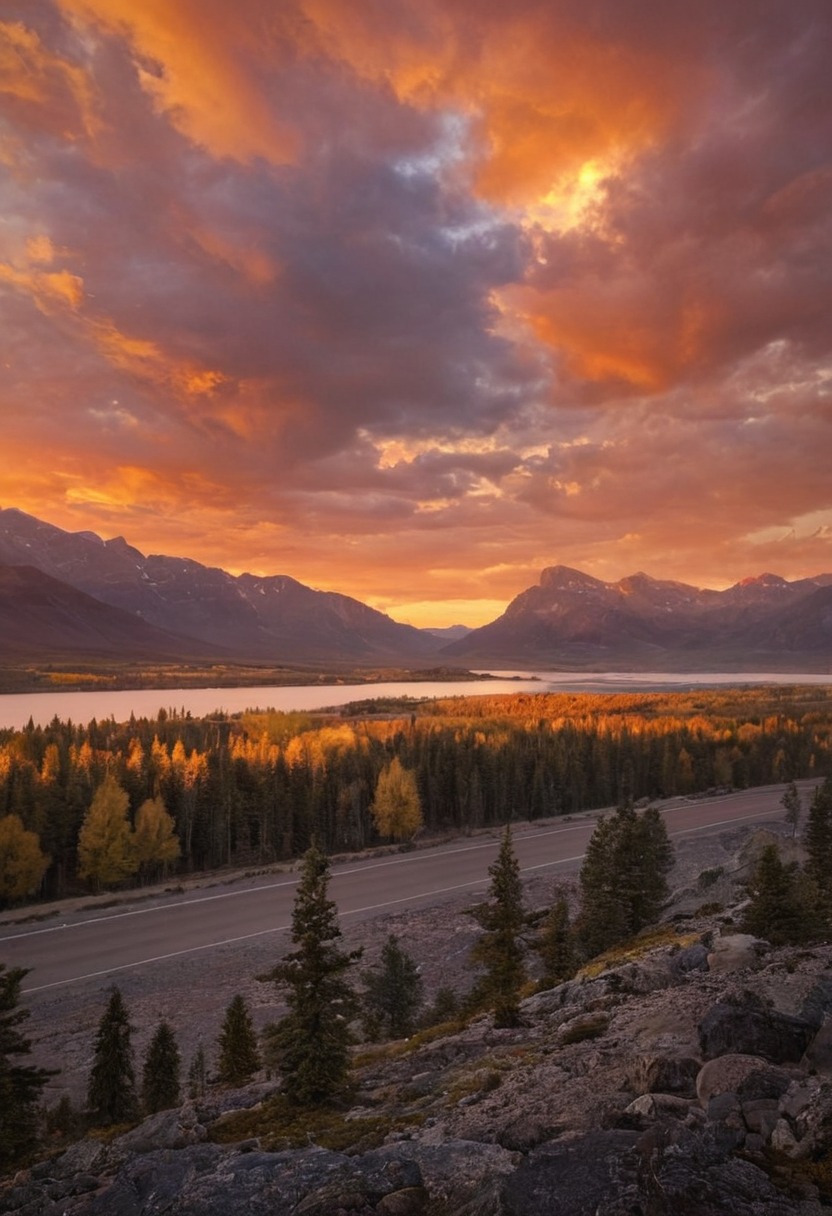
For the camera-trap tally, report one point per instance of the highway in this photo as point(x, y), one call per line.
point(101, 943)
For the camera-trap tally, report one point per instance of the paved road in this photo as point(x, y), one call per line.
point(92, 944)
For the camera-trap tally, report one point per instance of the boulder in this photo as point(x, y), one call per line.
point(725, 1075)
point(749, 1027)
point(663, 1074)
point(818, 1057)
point(735, 952)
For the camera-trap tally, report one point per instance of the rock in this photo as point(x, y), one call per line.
point(725, 1108)
point(412, 1201)
point(691, 958)
point(725, 1074)
point(817, 1004)
point(765, 1082)
point(818, 1057)
point(454, 1171)
point(760, 1115)
point(748, 1027)
point(735, 952)
point(569, 1178)
point(167, 1129)
point(663, 1074)
point(650, 1107)
point(783, 1139)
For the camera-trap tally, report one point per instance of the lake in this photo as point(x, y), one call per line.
point(17, 708)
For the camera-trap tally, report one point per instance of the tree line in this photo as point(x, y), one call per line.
point(201, 793)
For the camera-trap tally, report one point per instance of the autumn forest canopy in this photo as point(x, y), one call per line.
point(108, 804)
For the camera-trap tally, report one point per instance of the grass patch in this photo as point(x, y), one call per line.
point(635, 948)
point(580, 1029)
point(279, 1126)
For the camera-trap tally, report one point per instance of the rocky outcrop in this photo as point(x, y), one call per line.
point(655, 1086)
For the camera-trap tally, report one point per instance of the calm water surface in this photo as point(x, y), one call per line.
point(81, 707)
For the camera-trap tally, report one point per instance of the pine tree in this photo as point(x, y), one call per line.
point(392, 994)
point(311, 1043)
point(396, 809)
point(239, 1057)
point(20, 1084)
point(603, 916)
point(160, 1074)
point(111, 1094)
point(793, 807)
point(623, 878)
point(499, 949)
point(818, 839)
point(557, 946)
point(776, 911)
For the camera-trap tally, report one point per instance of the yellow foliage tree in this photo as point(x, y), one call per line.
point(105, 842)
point(155, 843)
point(22, 862)
point(396, 809)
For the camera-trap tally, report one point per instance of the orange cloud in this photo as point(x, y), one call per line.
point(196, 59)
point(48, 289)
point(34, 76)
point(549, 97)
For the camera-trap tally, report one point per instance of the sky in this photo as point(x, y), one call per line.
point(410, 299)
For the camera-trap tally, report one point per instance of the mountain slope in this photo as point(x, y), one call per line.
point(41, 617)
point(275, 618)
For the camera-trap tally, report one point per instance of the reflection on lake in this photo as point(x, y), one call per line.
point(17, 708)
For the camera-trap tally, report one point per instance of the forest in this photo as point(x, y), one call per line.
point(110, 804)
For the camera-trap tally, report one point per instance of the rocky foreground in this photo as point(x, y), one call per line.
point(689, 1074)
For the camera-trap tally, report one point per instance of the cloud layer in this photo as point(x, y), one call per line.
point(411, 299)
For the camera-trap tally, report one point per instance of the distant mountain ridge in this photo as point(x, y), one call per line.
point(272, 618)
point(569, 619)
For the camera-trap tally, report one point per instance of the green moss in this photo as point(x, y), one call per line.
point(278, 1126)
point(583, 1028)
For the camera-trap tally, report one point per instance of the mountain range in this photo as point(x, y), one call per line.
point(67, 593)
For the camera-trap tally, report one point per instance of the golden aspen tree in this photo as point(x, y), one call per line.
point(22, 862)
point(155, 843)
point(396, 809)
point(105, 842)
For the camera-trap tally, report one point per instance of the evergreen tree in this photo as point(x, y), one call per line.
point(392, 994)
point(197, 1074)
point(396, 809)
point(311, 1043)
point(499, 949)
point(776, 911)
point(239, 1057)
point(111, 1093)
point(603, 916)
point(20, 1084)
point(793, 807)
point(160, 1074)
point(557, 946)
point(623, 878)
point(818, 841)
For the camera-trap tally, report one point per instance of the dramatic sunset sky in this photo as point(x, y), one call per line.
point(411, 298)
